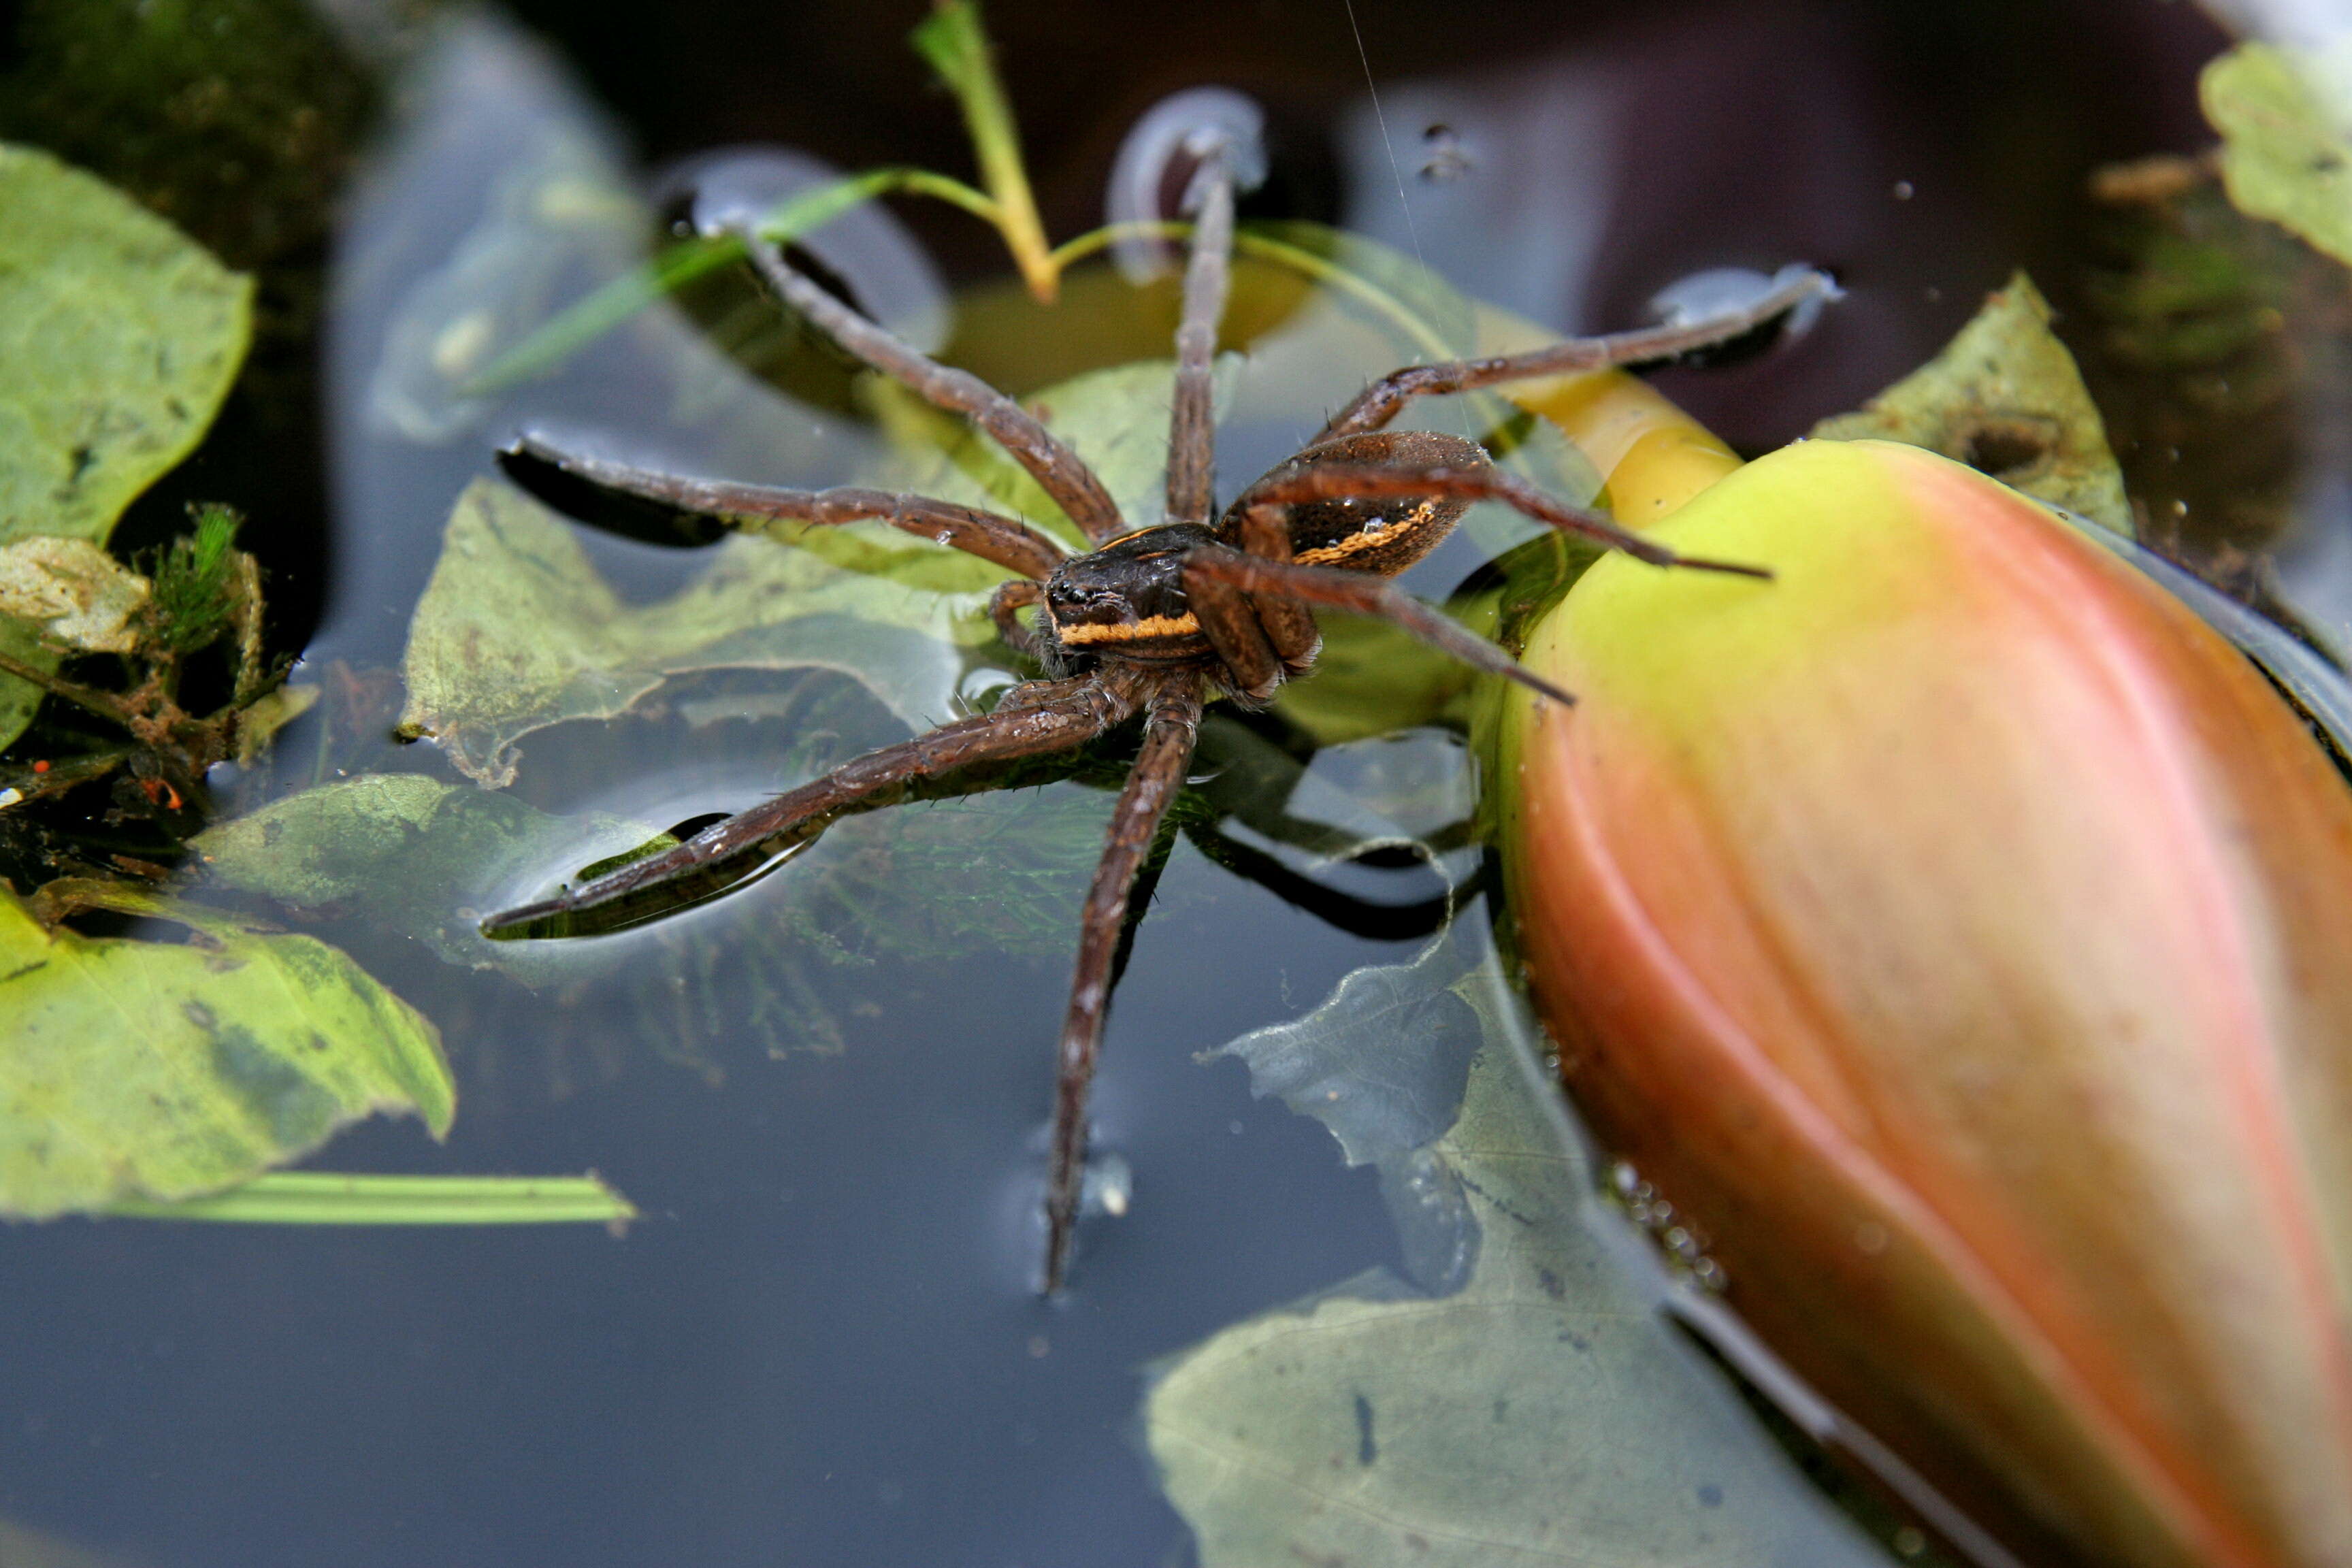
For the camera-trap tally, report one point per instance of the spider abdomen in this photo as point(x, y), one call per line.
point(1383, 535)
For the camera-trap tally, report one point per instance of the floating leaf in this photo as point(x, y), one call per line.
point(1544, 1412)
point(330, 1197)
point(119, 339)
point(516, 631)
point(2285, 119)
point(169, 1071)
point(421, 860)
point(2005, 398)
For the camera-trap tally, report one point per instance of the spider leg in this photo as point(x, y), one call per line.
point(1380, 401)
point(1062, 473)
point(1009, 597)
point(1260, 640)
point(1365, 594)
point(566, 480)
point(1169, 729)
point(1265, 533)
point(1349, 481)
point(1191, 427)
point(1043, 715)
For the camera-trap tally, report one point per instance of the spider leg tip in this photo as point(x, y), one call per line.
point(1727, 568)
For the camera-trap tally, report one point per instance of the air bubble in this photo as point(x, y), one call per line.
point(1721, 291)
point(1157, 174)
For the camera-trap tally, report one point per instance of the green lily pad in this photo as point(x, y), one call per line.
point(2004, 397)
point(2285, 119)
point(119, 339)
point(516, 631)
point(143, 1069)
point(1528, 1401)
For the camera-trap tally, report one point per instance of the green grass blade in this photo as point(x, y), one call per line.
point(326, 1197)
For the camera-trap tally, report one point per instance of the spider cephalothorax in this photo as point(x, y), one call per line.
point(1151, 621)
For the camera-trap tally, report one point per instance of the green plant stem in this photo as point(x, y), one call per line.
point(599, 313)
point(321, 1197)
point(102, 703)
point(956, 45)
point(1266, 247)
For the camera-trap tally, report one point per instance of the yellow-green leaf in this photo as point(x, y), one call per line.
point(516, 630)
point(2285, 119)
point(168, 1071)
point(2005, 398)
point(119, 338)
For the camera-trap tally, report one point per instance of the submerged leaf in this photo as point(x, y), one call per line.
point(419, 855)
point(1545, 1411)
point(145, 1069)
point(516, 630)
point(119, 339)
point(2285, 119)
point(2005, 398)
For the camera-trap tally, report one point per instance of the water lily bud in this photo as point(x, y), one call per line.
point(1959, 934)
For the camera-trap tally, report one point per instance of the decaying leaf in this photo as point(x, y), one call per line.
point(2005, 398)
point(167, 1070)
point(1542, 1412)
point(75, 593)
point(516, 631)
point(2285, 119)
point(119, 339)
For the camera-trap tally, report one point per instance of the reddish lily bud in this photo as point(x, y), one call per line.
point(1959, 934)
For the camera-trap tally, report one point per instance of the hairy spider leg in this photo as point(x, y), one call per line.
point(1170, 728)
point(1036, 718)
point(1289, 625)
point(1366, 481)
point(1059, 470)
point(540, 467)
point(1192, 419)
point(1019, 594)
point(1365, 594)
point(1380, 401)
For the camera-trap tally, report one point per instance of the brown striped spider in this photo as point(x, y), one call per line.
point(1155, 621)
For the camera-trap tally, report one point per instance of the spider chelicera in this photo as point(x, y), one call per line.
point(1154, 621)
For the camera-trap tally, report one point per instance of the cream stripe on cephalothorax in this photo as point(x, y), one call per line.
point(1184, 626)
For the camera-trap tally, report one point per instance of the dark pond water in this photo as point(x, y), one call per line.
point(821, 1343)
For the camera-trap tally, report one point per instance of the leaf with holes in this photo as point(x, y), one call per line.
point(2005, 398)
